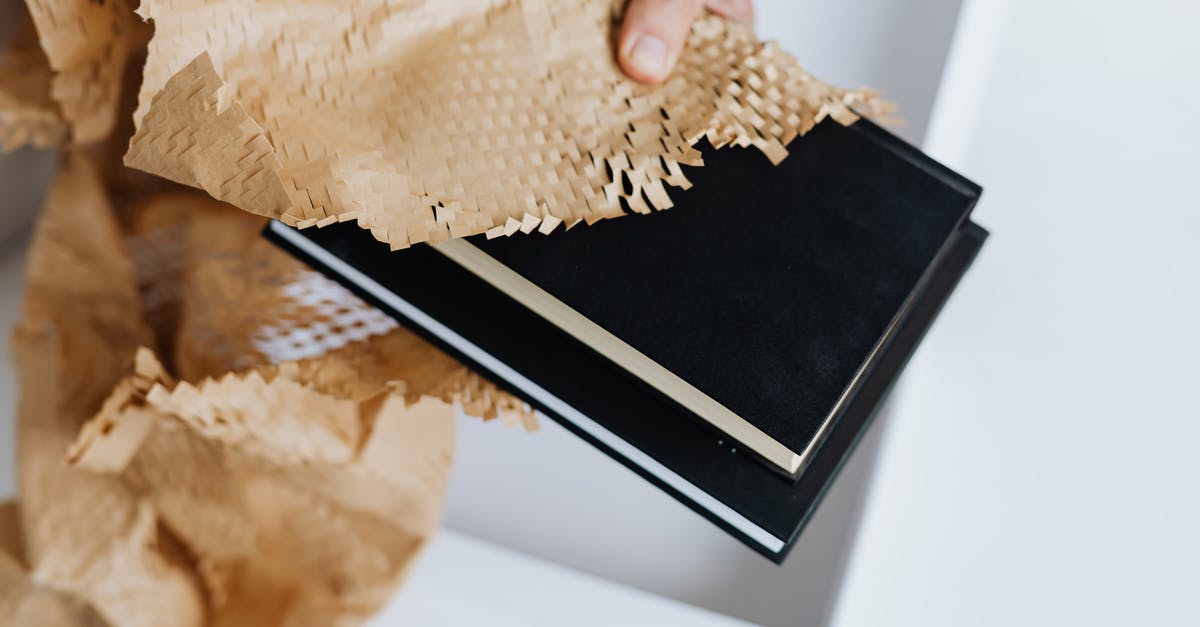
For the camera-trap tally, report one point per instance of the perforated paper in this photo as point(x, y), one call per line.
point(71, 76)
point(428, 120)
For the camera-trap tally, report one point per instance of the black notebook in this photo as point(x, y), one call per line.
point(731, 349)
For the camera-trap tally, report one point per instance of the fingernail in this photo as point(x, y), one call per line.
point(649, 54)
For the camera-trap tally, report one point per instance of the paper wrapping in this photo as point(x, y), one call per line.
point(63, 76)
point(28, 115)
point(85, 534)
point(87, 45)
point(428, 120)
point(209, 433)
point(22, 602)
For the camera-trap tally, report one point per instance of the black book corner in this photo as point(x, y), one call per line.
point(731, 350)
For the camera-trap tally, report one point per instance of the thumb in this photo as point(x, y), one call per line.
point(652, 35)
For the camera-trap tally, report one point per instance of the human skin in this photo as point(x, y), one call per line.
point(653, 32)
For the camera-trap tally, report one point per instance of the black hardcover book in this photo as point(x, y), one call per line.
point(732, 349)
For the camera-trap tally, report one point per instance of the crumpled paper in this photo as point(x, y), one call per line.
point(22, 602)
point(428, 120)
point(28, 115)
point(209, 433)
point(65, 84)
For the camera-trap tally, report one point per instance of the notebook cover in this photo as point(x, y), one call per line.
point(767, 288)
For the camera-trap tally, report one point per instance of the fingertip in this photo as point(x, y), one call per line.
point(646, 58)
point(653, 34)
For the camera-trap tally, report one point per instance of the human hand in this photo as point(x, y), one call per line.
point(653, 32)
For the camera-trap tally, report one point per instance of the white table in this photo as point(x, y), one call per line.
point(462, 581)
point(1041, 464)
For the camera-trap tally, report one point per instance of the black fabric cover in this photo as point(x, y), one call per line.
point(766, 287)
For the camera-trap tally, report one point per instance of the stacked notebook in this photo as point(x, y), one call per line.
point(733, 349)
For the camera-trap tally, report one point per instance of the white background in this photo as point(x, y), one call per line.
point(1042, 467)
point(1039, 465)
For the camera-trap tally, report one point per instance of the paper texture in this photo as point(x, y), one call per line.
point(64, 84)
point(85, 534)
point(210, 433)
point(88, 44)
point(28, 115)
point(427, 120)
point(23, 602)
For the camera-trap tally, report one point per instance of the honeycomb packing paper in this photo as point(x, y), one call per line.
point(428, 120)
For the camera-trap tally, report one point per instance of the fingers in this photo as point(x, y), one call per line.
point(736, 10)
point(652, 35)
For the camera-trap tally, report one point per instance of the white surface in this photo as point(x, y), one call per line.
point(896, 46)
point(462, 581)
point(24, 173)
point(551, 495)
point(12, 269)
point(1041, 468)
